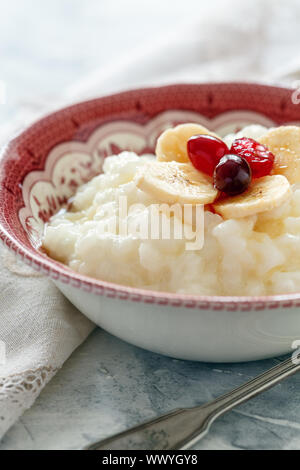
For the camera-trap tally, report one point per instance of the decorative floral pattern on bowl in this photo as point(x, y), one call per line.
point(42, 168)
point(72, 164)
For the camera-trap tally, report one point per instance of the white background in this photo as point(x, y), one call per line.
point(47, 45)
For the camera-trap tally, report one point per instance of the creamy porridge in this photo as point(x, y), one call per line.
point(251, 247)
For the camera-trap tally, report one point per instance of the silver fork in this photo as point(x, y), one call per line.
point(182, 428)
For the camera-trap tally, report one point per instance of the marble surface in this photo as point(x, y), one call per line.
point(108, 385)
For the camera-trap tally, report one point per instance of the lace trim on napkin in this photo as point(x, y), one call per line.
point(19, 391)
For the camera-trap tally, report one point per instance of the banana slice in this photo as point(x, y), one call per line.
point(263, 195)
point(284, 143)
point(172, 144)
point(173, 182)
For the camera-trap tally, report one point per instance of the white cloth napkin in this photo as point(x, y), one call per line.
point(232, 40)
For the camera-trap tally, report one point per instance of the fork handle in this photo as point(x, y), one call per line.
point(181, 428)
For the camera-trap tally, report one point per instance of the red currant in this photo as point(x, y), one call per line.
point(205, 151)
point(232, 175)
point(260, 159)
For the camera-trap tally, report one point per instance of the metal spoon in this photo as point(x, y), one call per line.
point(182, 428)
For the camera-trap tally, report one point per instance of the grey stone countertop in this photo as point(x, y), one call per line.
point(108, 386)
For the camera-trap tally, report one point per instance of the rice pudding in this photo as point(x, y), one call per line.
point(251, 224)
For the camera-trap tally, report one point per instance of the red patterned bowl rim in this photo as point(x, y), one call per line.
point(59, 272)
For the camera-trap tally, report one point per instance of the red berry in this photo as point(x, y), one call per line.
point(260, 159)
point(205, 151)
point(232, 175)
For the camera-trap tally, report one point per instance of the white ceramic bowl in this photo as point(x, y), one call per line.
point(42, 167)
